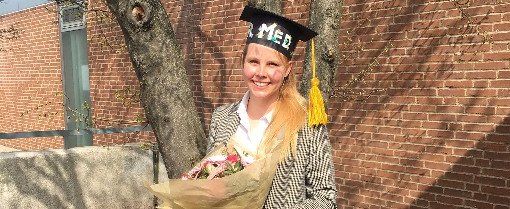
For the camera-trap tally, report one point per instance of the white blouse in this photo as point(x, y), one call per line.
point(250, 137)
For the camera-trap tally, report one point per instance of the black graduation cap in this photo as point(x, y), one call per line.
point(274, 31)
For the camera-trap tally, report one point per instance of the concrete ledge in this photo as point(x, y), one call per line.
point(7, 149)
point(88, 177)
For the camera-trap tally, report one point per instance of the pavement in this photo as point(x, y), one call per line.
point(7, 149)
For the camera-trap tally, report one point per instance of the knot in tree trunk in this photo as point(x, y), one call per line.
point(140, 14)
point(329, 55)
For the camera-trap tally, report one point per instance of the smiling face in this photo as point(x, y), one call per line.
point(264, 70)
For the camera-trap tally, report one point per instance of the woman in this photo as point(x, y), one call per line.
point(272, 111)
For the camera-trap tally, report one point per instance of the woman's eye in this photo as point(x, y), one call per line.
point(273, 64)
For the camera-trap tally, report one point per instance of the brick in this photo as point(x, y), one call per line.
point(473, 187)
point(495, 190)
point(435, 125)
point(451, 92)
point(500, 164)
point(449, 199)
point(450, 109)
point(441, 117)
point(498, 199)
point(434, 157)
point(489, 181)
point(422, 108)
point(347, 161)
point(477, 93)
point(458, 84)
point(480, 110)
point(469, 136)
point(503, 129)
point(440, 134)
point(459, 177)
point(366, 128)
point(460, 143)
point(503, 75)
point(482, 162)
point(500, 84)
point(478, 204)
point(502, 110)
point(480, 197)
point(450, 184)
point(491, 146)
point(501, 207)
point(504, 173)
point(497, 155)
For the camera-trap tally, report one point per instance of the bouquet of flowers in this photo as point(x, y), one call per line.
point(227, 162)
point(226, 178)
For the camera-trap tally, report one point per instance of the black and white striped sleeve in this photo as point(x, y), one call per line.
point(212, 139)
point(320, 184)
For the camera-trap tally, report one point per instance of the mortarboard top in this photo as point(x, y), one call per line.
point(274, 31)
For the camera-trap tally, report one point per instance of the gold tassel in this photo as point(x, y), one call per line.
point(316, 111)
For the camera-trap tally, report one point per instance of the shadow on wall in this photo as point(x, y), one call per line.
point(93, 177)
point(479, 179)
point(430, 139)
point(206, 54)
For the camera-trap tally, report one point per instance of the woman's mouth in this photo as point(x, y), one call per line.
point(260, 84)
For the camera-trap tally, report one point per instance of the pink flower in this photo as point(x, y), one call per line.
point(233, 159)
point(216, 171)
point(192, 174)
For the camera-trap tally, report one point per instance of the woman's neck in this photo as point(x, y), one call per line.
point(257, 108)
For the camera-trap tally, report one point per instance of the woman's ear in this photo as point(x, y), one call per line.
point(288, 70)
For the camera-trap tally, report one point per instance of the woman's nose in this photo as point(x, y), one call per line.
point(261, 71)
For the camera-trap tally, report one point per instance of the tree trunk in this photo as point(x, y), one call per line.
point(325, 20)
point(164, 85)
point(274, 6)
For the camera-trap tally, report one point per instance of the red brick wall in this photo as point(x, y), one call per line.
point(31, 81)
point(30, 78)
point(437, 135)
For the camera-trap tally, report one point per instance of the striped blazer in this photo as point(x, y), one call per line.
point(305, 181)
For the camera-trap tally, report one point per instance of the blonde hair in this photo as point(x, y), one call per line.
point(289, 115)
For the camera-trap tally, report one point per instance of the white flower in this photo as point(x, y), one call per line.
point(217, 158)
point(246, 160)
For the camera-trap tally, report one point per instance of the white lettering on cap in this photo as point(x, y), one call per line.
point(272, 35)
point(287, 41)
point(278, 35)
point(250, 34)
point(263, 28)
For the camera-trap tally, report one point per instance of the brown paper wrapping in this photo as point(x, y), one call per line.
point(245, 189)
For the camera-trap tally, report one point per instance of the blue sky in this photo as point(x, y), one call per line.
point(8, 6)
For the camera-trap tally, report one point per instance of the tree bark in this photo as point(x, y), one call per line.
point(274, 6)
point(164, 85)
point(325, 20)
